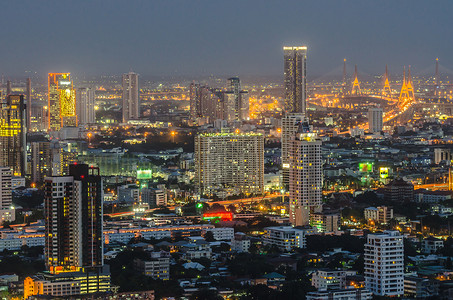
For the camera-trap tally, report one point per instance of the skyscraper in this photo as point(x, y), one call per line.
point(295, 79)
point(229, 163)
point(384, 263)
point(131, 97)
point(6, 212)
point(290, 125)
point(73, 220)
point(236, 105)
point(61, 102)
point(85, 106)
point(195, 100)
point(41, 161)
point(28, 91)
point(305, 175)
point(5, 188)
point(375, 119)
point(13, 134)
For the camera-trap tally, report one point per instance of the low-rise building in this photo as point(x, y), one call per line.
point(158, 267)
point(330, 279)
point(380, 214)
point(431, 245)
point(221, 233)
point(240, 242)
point(343, 294)
point(200, 249)
point(287, 237)
point(432, 197)
point(154, 197)
point(325, 222)
point(420, 288)
point(67, 283)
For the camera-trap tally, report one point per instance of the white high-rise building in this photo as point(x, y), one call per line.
point(229, 163)
point(384, 263)
point(290, 124)
point(295, 79)
point(131, 97)
point(305, 175)
point(85, 106)
point(5, 188)
point(375, 119)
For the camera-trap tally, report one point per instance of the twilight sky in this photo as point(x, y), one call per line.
point(202, 37)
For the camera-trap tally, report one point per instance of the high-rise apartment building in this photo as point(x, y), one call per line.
point(13, 134)
point(7, 213)
point(295, 79)
point(195, 100)
point(73, 220)
point(61, 102)
point(375, 119)
point(229, 163)
point(41, 161)
point(5, 188)
point(230, 105)
point(305, 175)
point(236, 101)
point(85, 106)
point(28, 99)
point(290, 125)
point(131, 97)
point(384, 264)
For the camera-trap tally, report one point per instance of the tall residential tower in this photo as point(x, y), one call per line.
point(73, 220)
point(305, 175)
point(295, 79)
point(85, 106)
point(131, 97)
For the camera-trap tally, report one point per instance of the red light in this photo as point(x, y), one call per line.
point(82, 176)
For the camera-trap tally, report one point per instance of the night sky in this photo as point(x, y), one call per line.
point(242, 37)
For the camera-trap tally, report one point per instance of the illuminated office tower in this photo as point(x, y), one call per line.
point(85, 106)
point(73, 220)
point(61, 102)
point(131, 98)
point(375, 119)
point(229, 163)
point(13, 134)
point(384, 264)
point(290, 125)
point(305, 175)
point(295, 79)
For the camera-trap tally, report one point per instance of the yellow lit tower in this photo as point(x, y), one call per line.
point(61, 102)
point(386, 91)
point(13, 134)
point(356, 84)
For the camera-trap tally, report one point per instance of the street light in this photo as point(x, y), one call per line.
point(173, 133)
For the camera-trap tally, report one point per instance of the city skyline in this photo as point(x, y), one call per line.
point(182, 39)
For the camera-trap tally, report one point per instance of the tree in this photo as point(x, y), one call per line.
point(209, 237)
point(260, 292)
point(206, 294)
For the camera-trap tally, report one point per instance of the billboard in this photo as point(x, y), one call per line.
point(144, 174)
point(383, 172)
point(366, 167)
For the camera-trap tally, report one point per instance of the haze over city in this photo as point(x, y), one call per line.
point(161, 38)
